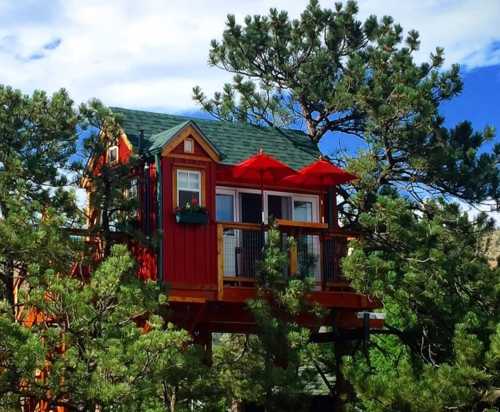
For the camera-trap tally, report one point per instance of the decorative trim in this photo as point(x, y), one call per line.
point(202, 172)
point(189, 157)
point(190, 132)
point(159, 219)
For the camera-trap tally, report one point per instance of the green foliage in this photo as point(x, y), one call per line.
point(329, 72)
point(37, 140)
point(334, 76)
point(441, 299)
point(276, 358)
point(76, 341)
point(100, 343)
point(111, 184)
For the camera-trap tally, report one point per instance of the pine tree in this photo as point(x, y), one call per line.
point(80, 340)
point(337, 77)
point(113, 187)
point(37, 141)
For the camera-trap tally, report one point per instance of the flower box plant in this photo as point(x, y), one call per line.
point(192, 213)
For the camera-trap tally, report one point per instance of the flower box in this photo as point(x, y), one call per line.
point(191, 217)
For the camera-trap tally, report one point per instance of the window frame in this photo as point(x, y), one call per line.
point(132, 191)
point(232, 193)
point(188, 145)
point(108, 157)
point(235, 191)
point(177, 188)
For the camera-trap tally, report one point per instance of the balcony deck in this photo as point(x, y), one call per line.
point(317, 253)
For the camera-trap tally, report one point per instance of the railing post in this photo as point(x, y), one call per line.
point(293, 259)
point(333, 216)
point(322, 262)
point(220, 262)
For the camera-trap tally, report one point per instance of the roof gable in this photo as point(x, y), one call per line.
point(171, 138)
point(233, 142)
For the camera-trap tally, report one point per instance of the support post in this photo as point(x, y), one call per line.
point(293, 259)
point(333, 214)
point(203, 337)
point(159, 217)
point(344, 392)
point(220, 262)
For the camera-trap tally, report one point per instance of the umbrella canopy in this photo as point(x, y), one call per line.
point(262, 168)
point(320, 174)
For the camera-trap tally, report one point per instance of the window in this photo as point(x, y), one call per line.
point(279, 207)
point(188, 187)
point(188, 146)
point(302, 211)
point(132, 191)
point(225, 208)
point(112, 155)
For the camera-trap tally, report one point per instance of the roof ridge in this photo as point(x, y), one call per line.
point(211, 121)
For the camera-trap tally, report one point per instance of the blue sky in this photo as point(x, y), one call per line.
point(478, 103)
point(149, 54)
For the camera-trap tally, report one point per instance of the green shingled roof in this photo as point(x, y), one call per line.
point(161, 139)
point(234, 142)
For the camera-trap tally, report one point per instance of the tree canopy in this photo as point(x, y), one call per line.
point(336, 77)
point(328, 72)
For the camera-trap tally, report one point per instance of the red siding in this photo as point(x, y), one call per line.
point(146, 261)
point(190, 251)
point(124, 151)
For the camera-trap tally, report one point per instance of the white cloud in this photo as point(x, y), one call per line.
point(488, 207)
point(149, 54)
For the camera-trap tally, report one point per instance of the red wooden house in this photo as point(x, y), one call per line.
point(209, 266)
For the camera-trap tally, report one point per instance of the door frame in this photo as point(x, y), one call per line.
point(224, 190)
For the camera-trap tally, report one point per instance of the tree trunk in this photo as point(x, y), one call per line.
point(9, 285)
point(172, 402)
point(236, 406)
point(344, 392)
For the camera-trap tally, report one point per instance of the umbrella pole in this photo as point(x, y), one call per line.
point(262, 204)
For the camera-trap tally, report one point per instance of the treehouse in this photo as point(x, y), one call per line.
point(208, 190)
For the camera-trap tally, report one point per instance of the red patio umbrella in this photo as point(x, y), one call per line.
point(262, 168)
point(320, 174)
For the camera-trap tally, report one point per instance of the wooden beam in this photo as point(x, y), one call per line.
point(187, 299)
point(301, 225)
point(240, 225)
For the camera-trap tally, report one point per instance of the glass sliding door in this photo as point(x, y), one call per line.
point(225, 212)
point(308, 246)
point(279, 207)
point(225, 207)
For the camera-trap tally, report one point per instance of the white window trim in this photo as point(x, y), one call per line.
point(294, 196)
point(199, 191)
point(108, 157)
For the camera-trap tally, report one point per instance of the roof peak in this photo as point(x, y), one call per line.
point(234, 141)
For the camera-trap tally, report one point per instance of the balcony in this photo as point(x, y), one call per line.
point(317, 253)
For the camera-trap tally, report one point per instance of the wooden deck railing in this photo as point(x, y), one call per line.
point(317, 252)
